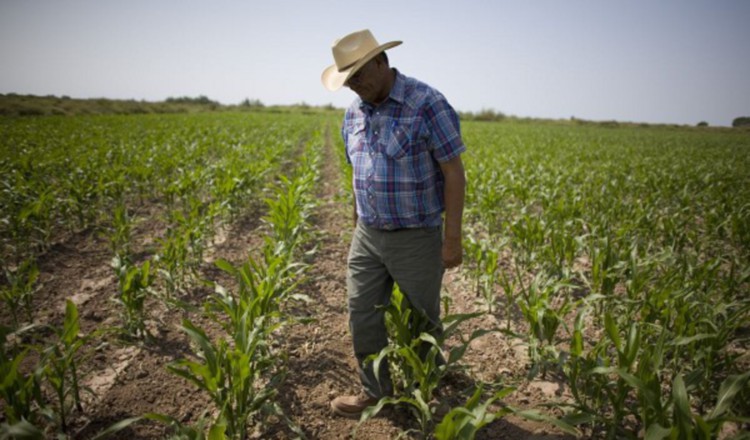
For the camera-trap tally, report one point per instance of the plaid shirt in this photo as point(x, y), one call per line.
point(395, 149)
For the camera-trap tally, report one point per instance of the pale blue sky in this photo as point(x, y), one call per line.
point(645, 61)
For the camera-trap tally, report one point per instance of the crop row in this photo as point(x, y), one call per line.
point(628, 254)
point(67, 176)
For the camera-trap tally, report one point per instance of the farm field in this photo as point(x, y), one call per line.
point(185, 275)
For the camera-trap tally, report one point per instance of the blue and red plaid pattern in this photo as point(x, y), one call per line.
point(395, 150)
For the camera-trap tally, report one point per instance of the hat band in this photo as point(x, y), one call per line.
point(348, 66)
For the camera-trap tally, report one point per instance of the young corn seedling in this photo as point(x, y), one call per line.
point(241, 378)
point(263, 288)
point(121, 231)
point(134, 287)
point(415, 357)
point(484, 270)
point(19, 291)
point(463, 422)
point(290, 210)
point(38, 215)
point(249, 317)
point(182, 431)
point(287, 214)
point(605, 380)
point(21, 393)
point(536, 302)
point(172, 261)
point(686, 423)
point(61, 367)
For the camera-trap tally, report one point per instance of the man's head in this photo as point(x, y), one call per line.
point(358, 55)
point(373, 81)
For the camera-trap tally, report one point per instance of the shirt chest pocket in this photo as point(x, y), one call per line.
point(398, 143)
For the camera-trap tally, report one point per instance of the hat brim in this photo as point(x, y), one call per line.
point(333, 79)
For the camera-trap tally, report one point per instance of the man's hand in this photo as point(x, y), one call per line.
point(455, 186)
point(453, 253)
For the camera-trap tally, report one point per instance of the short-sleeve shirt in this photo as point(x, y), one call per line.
point(395, 150)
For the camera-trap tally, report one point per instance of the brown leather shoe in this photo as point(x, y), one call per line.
point(352, 406)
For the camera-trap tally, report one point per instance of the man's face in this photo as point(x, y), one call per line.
point(368, 81)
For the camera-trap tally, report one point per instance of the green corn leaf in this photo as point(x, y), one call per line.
point(146, 274)
point(727, 391)
point(191, 371)
point(682, 414)
point(612, 331)
point(631, 348)
point(684, 340)
point(657, 432)
point(378, 359)
point(217, 431)
point(22, 430)
point(116, 427)
point(70, 325)
point(373, 410)
point(456, 353)
point(199, 337)
point(451, 322)
point(539, 417)
point(474, 399)
point(702, 426)
point(225, 266)
point(426, 337)
point(579, 418)
point(449, 427)
point(576, 346)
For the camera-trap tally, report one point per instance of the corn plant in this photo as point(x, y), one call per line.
point(484, 270)
point(121, 232)
point(263, 288)
point(241, 378)
point(415, 357)
point(38, 214)
point(182, 431)
point(21, 430)
point(173, 261)
point(28, 411)
point(290, 209)
point(134, 287)
point(545, 312)
point(19, 291)
point(464, 422)
point(686, 423)
point(81, 195)
point(60, 367)
point(288, 212)
point(21, 393)
point(185, 242)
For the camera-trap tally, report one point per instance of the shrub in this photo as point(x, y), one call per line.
point(742, 121)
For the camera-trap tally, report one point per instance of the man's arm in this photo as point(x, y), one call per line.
point(354, 210)
point(455, 187)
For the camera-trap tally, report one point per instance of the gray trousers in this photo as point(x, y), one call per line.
point(377, 258)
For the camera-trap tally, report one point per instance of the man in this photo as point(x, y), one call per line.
point(404, 143)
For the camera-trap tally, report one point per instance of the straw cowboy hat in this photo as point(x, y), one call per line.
point(351, 53)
